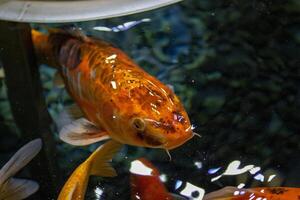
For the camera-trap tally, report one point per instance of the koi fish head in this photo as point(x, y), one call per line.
point(157, 119)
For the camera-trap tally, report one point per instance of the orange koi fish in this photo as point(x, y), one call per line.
point(119, 100)
point(96, 164)
point(15, 188)
point(261, 193)
point(145, 182)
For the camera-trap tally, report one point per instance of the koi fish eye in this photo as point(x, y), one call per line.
point(138, 124)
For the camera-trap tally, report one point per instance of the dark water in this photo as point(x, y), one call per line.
point(234, 65)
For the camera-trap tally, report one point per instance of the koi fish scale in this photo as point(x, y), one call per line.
point(116, 94)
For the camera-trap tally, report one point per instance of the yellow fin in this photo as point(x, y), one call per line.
point(71, 192)
point(95, 164)
point(58, 80)
point(100, 158)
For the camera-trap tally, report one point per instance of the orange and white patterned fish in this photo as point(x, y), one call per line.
point(147, 186)
point(260, 193)
point(119, 100)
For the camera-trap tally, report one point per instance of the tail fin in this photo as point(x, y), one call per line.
point(17, 189)
point(20, 159)
point(100, 158)
point(96, 164)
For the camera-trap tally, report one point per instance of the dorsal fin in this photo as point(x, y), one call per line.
point(73, 31)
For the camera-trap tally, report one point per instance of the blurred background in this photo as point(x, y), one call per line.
point(235, 66)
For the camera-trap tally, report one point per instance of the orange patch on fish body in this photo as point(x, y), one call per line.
point(116, 94)
point(272, 193)
point(269, 193)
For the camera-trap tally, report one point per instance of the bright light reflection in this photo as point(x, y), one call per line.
point(163, 178)
point(113, 84)
point(241, 185)
point(254, 170)
point(193, 127)
point(178, 184)
point(271, 177)
point(98, 193)
point(198, 164)
point(252, 196)
point(239, 192)
point(190, 190)
point(233, 169)
point(259, 177)
point(213, 170)
point(121, 27)
point(113, 56)
point(137, 167)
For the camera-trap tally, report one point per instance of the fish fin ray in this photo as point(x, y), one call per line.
point(17, 189)
point(72, 30)
point(21, 158)
point(74, 111)
point(67, 193)
point(82, 132)
point(105, 170)
point(101, 157)
point(69, 114)
point(70, 195)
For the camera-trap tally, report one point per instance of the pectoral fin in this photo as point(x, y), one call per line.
point(17, 189)
point(69, 114)
point(82, 132)
point(74, 111)
point(22, 157)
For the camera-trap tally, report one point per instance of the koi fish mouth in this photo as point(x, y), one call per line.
point(152, 139)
